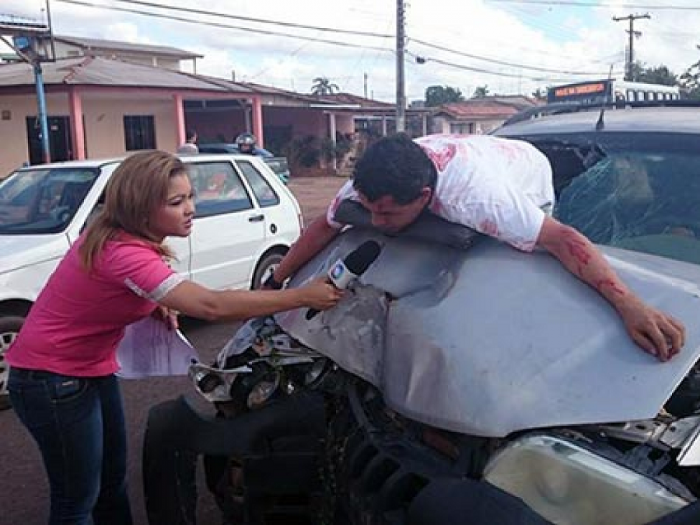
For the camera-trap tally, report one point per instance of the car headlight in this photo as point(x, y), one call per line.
point(214, 384)
point(570, 485)
point(263, 391)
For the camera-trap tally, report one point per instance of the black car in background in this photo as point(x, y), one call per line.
point(277, 164)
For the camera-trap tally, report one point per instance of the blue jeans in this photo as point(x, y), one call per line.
point(78, 424)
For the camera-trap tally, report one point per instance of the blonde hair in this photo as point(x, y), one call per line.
point(137, 188)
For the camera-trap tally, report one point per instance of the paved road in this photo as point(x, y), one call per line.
point(23, 486)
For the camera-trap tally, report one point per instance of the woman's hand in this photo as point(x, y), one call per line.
point(320, 294)
point(168, 316)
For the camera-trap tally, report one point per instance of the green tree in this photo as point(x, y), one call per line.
point(690, 81)
point(653, 75)
point(438, 95)
point(539, 94)
point(481, 92)
point(323, 86)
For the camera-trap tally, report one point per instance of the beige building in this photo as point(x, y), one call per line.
point(144, 54)
point(106, 98)
point(98, 107)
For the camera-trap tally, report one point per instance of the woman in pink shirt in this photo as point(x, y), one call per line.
point(63, 361)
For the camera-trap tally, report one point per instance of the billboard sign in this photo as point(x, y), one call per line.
point(19, 17)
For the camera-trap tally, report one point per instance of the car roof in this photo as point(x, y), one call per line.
point(218, 145)
point(632, 120)
point(100, 163)
point(87, 163)
point(226, 145)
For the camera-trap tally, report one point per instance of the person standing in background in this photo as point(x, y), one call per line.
point(190, 145)
point(248, 145)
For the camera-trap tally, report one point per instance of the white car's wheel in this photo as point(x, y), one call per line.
point(265, 267)
point(9, 328)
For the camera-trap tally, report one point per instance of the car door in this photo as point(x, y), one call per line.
point(282, 215)
point(229, 228)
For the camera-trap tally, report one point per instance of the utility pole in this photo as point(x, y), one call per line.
point(400, 81)
point(33, 43)
point(365, 85)
point(632, 33)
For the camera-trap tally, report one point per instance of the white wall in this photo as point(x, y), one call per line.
point(66, 50)
point(486, 126)
point(480, 126)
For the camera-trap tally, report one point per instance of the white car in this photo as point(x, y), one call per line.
point(246, 220)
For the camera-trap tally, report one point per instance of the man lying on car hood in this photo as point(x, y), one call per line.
point(498, 187)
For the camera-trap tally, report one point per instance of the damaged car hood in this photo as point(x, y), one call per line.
point(489, 341)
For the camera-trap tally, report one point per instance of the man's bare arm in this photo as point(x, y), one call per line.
point(654, 331)
point(314, 239)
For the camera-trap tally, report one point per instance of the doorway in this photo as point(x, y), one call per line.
point(60, 141)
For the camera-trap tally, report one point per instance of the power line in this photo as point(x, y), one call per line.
point(575, 3)
point(632, 34)
point(299, 37)
point(422, 60)
point(496, 42)
point(250, 19)
point(224, 26)
point(504, 63)
point(289, 55)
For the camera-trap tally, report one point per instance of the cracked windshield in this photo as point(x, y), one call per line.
point(406, 262)
point(643, 198)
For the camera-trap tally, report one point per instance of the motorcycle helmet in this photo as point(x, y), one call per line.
point(246, 143)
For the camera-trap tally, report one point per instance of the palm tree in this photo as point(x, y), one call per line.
point(323, 86)
point(481, 92)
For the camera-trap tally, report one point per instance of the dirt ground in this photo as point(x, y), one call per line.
point(315, 194)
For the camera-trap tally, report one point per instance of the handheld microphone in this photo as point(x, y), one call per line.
point(344, 271)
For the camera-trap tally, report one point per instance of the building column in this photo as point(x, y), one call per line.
point(247, 110)
point(332, 128)
point(383, 126)
point(425, 125)
point(180, 133)
point(258, 121)
point(77, 127)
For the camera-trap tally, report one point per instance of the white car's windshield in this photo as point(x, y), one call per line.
point(40, 201)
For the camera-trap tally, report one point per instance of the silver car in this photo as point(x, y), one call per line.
point(462, 381)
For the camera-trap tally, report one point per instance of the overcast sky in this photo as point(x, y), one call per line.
point(518, 45)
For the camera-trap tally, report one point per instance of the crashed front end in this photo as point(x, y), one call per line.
point(488, 384)
point(509, 350)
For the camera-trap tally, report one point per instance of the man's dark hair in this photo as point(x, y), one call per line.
point(394, 166)
point(191, 134)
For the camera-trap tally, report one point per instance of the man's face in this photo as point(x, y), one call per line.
point(392, 217)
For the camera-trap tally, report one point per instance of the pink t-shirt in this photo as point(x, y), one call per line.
point(79, 317)
point(499, 187)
